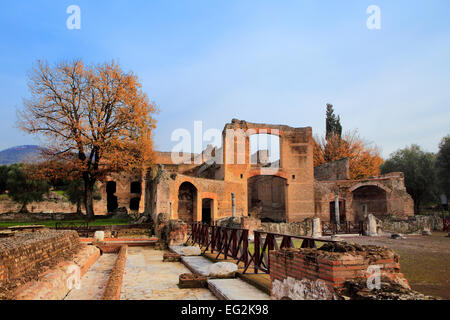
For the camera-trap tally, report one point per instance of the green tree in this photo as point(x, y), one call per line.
point(3, 178)
point(333, 123)
point(23, 189)
point(419, 169)
point(75, 192)
point(443, 165)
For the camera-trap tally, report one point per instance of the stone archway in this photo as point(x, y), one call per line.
point(187, 202)
point(207, 210)
point(267, 198)
point(369, 199)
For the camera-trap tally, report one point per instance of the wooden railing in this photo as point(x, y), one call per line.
point(330, 228)
point(229, 242)
point(234, 243)
point(446, 224)
point(267, 241)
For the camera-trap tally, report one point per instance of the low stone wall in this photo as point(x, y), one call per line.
point(39, 207)
point(57, 282)
point(25, 217)
point(414, 224)
point(114, 285)
point(312, 274)
point(25, 255)
point(303, 228)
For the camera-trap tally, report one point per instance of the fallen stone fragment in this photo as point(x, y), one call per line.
point(223, 270)
point(191, 251)
point(99, 236)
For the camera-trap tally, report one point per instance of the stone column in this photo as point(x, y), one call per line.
point(371, 226)
point(233, 204)
point(336, 208)
point(316, 228)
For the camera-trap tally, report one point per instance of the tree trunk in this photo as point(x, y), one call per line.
point(79, 208)
point(24, 208)
point(89, 196)
point(416, 206)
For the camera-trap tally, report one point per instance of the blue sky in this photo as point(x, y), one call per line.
point(275, 62)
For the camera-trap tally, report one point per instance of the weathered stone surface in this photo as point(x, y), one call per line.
point(191, 251)
point(28, 254)
point(316, 228)
point(56, 282)
point(389, 290)
point(414, 224)
point(171, 257)
point(397, 236)
point(99, 236)
point(372, 229)
point(190, 280)
point(305, 289)
point(222, 270)
point(235, 289)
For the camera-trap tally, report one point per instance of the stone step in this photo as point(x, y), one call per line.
point(235, 289)
point(197, 264)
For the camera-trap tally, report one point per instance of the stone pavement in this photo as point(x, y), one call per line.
point(147, 277)
point(94, 281)
point(197, 264)
point(235, 289)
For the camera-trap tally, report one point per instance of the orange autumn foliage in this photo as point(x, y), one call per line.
point(364, 159)
point(95, 120)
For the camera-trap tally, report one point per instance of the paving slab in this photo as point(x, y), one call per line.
point(176, 249)
point(197, 264)
point(147, 277)
point(235, 289)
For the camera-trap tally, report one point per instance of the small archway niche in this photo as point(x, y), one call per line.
point(111, 199)
point(207, 207)
point(187, 202)
point(267, 198)
point(135, 187)
point(134, 204)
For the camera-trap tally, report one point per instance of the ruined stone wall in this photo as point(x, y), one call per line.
point(415, 224)
point(315, 274)
point(302, 228)
point(26, 254)
point(396, 202)
point(336, 170)
point(296, 163)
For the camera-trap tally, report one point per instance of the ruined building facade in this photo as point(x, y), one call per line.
point(230, 181)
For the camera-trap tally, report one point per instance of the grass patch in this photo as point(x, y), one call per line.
point(62, 193)
point(4, 197)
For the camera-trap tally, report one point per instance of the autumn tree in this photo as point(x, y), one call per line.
point(22, 188)
point(418, 167)
point(94, 118)
point(364, 158)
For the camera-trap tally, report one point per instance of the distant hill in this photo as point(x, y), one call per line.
point(29, 153)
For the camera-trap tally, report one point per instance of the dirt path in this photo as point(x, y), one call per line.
point(147, 277)
point(424, 260)
point(94, 281)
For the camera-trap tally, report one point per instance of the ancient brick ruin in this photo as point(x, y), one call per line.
point(230, 181)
